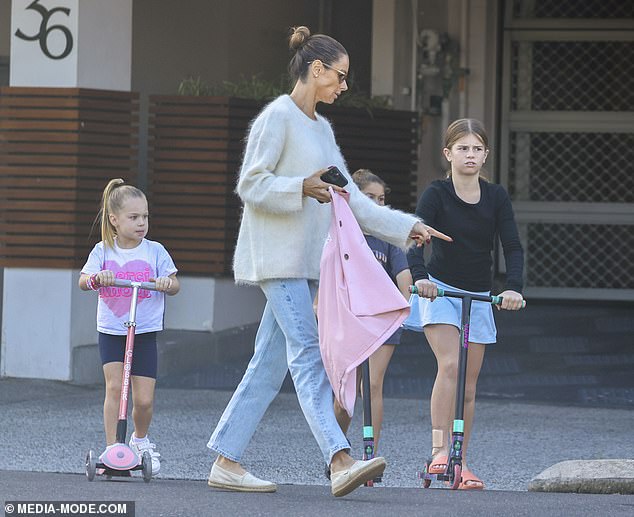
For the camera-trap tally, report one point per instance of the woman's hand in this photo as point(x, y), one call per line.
point(427, 289)
point(314, 187)
point(511, 301)
point(422, 234)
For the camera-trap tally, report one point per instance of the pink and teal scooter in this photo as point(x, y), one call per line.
point(453, 471)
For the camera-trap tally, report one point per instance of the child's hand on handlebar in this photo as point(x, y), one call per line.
point(162, 283)
point(511, 301)
point(427, 289)
point(105, 278)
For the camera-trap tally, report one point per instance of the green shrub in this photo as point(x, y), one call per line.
point(264, 90)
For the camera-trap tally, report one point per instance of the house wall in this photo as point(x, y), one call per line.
point(5, 41)
point(472, 26)
point(5, 27)
point(217, 42)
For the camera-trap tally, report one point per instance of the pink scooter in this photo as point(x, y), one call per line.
point(120, 459)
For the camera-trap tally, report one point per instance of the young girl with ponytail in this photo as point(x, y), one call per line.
point(125, 253)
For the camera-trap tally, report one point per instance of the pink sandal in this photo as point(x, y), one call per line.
point(470, 481)
point(438, 465)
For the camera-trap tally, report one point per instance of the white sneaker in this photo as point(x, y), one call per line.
point(140, 447)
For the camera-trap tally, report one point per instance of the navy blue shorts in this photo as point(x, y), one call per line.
point(395, 339)
point(144, 355)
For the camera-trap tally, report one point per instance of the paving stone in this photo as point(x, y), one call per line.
point(609, 476)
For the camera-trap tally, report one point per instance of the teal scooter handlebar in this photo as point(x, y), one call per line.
point(494, 300)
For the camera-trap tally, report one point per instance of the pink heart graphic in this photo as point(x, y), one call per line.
point(118, 298)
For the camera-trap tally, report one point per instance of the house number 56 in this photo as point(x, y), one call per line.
point(45, 31)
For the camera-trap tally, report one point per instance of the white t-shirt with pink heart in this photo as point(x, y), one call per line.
point(148, 260)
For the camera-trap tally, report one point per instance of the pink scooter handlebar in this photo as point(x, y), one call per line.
point(120, 282)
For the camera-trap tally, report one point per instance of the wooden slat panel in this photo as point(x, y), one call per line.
point(37, 251)
point(41, 262)
point(68, 160)
point(46, 171)
point(64, 114)
point(58, 149)
point(178, 167)
point(51, 137)
point(175, 222)
point(36, 240)
point(83, 149)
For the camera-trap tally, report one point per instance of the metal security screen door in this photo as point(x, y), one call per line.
point(567, 146)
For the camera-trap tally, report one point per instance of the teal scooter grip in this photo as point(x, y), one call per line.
point(497, 300)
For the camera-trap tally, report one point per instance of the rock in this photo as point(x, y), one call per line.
point(587, 477)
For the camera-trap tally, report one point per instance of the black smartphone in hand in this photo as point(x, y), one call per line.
point(334, 177)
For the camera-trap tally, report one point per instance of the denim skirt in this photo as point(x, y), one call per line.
point(447, 310)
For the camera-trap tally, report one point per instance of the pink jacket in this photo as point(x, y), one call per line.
point(359, 305)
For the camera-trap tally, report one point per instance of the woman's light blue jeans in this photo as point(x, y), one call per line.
point(287, 339)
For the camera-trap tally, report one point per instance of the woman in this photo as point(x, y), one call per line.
point(283, 229)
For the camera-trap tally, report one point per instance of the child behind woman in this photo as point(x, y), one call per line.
point(394, 262)
point(125, 253)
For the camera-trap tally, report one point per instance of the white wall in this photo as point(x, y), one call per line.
point(43, 318)
point(383, 33)
point(212, 304)
point(29, 65)
point(105, 31)
point(100, 34)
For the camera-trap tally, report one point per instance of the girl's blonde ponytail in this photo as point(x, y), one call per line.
point(108, 233)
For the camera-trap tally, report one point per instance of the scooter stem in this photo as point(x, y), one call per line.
point(122, 423)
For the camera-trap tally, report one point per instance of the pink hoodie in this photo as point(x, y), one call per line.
point(359, 305)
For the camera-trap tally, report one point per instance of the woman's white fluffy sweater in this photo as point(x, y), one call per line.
point(282, 232)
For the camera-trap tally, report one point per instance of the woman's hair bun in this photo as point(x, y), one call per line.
point(298, 37)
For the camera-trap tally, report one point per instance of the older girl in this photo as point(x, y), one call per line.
point(475, 212)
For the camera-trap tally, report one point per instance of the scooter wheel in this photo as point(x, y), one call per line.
point(425, 476)
point(91, 465)
point(146, 464)
point(457, 476)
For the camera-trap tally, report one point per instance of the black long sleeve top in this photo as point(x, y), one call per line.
point(467, 262)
